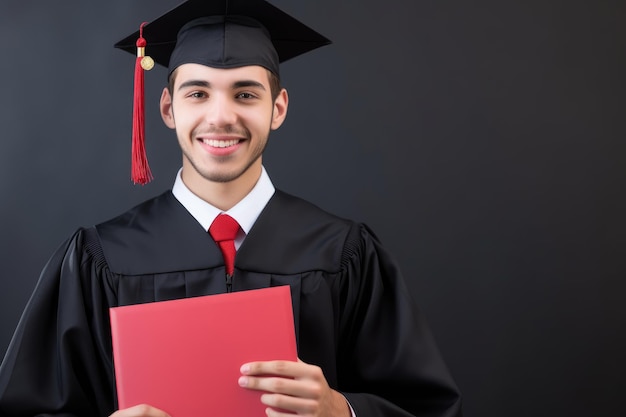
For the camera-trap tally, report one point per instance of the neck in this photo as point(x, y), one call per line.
point(223, 195)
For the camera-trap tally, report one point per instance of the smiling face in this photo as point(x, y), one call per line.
point(222, 119)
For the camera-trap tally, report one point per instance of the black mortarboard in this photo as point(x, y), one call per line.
point(216, 33)
point(289, 37)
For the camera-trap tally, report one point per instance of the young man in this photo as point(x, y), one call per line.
point(363, 347)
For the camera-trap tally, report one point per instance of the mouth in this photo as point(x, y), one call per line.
point(220, 143)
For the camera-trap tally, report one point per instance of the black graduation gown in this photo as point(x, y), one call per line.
point(352, 310)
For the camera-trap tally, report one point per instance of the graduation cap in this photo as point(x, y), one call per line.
point(216, 33)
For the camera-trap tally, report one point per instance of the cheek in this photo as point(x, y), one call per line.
point(261, 120)
point(185, 118)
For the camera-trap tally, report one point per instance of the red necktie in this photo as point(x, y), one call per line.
point(224, 230)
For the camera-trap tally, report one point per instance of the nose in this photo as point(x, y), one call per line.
point(221, 111)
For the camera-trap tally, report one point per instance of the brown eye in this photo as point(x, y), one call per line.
point(246, 96)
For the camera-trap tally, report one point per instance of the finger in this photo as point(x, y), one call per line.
point(278, 385)
point(279, 368)
point(279, 403)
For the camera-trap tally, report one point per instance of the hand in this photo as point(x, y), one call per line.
point(296, 387)
point(142, 410)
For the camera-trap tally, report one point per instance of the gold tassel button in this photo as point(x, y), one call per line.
point(147, 63)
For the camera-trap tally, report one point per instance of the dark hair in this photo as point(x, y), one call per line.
point(273, 80)
point(274, 84)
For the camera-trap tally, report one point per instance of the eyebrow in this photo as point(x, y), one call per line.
point(249, 83)
point(194, 83)
point(237, 84)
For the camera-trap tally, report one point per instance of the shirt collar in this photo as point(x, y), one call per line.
point(245, 212)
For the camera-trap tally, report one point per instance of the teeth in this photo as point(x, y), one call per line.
point(220, 143)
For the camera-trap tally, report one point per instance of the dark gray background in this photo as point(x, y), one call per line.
point(484, 141)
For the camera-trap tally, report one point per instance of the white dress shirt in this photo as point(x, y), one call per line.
point(245, 212)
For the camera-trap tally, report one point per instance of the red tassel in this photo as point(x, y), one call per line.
point(140, 171)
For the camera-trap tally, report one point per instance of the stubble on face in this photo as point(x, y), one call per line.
point(221, 175)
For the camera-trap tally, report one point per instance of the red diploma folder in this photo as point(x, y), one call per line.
point(183, 356)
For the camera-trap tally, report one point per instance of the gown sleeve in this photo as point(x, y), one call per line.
point(392, 366)
point(59, 362)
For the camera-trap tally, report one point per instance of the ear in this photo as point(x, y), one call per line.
point(167, 112)
point(280, 109)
